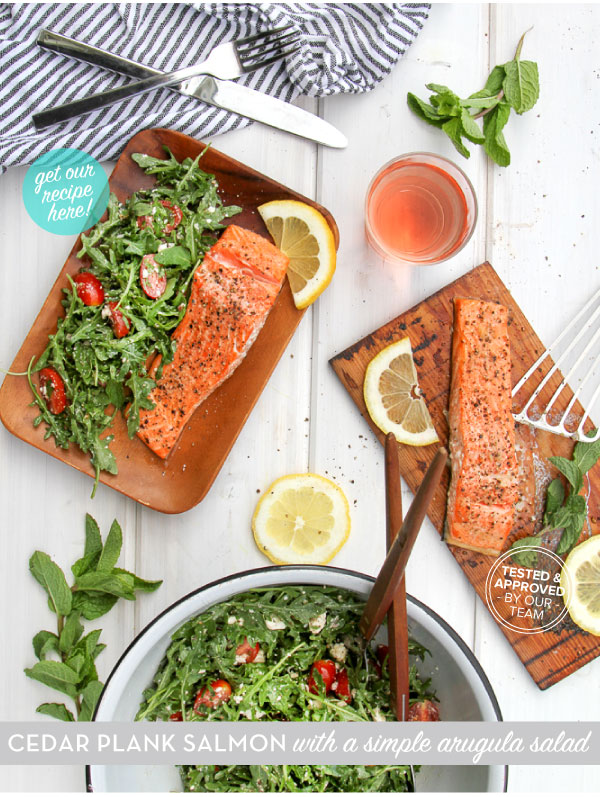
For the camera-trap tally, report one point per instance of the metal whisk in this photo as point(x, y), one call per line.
point(582, 350)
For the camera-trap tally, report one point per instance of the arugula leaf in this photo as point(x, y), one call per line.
point(51, 577)
point(174, 256)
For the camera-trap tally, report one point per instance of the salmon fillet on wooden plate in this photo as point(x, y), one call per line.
point(233, 290)
point(484, 487)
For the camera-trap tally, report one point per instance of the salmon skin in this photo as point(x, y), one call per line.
point(232, 291)
point(484, 486)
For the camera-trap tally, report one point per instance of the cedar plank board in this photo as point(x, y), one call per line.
point(551, 655)
point(182, 480)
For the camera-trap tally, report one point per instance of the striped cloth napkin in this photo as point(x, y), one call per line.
point(345, 48)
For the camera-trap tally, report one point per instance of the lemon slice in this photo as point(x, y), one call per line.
point(301, 519)
point(582, 590)
point(302, 233)
point(392, 396)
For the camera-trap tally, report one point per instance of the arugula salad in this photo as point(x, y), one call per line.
point(121, 308)
point(283, 654)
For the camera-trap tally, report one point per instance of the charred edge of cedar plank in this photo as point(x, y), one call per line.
point(369, 340)
point(459, 544)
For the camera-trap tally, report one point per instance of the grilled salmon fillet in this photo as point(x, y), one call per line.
point(232, 291)
point(484, 486)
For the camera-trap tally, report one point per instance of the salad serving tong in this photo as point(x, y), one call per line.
point(389, 592)
point(227, 61)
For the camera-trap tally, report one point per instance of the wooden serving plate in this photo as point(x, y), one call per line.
point(551, 655)
point(181, 481)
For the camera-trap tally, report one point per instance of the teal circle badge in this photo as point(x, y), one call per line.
point(65, 191)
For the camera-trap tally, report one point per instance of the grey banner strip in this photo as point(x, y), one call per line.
point(448, 743)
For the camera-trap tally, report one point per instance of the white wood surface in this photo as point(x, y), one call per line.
point(537, 224)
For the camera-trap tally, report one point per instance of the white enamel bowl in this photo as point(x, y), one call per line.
point(461, 685)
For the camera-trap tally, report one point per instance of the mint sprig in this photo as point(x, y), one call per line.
point(510, 86)
point(66, 658)
point(565, 510)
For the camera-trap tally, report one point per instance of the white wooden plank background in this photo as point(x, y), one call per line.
point(536, 225)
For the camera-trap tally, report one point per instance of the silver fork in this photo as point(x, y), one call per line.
point(227, 61)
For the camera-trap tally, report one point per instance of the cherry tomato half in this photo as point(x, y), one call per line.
point(327, 671)
point(176, 717)
point(212, 696)
point(341, 686)
point(152, 277)
point(144, 221)
point(246, 651)
point(120, 324)
point(52, 389)
point(423, 711)
point(175, 212)
point(89, 289)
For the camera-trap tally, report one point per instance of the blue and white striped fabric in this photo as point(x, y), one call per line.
point(345, 48)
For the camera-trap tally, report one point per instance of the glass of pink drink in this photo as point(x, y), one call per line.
point(420, 208)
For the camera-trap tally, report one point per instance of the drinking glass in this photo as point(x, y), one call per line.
point(420, 208)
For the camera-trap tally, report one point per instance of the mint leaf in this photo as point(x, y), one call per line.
point(89, 699)
point(52, 579)
point(495, 80)
point(44, 642)
point(585, 455)
point(495, 144)
point(569, 470)
point(93, 604)
point(71, 632)
point(470, 128)
point(555, 496)
point(93, 538)
point(514, 85)
point(119, 585)
point(98, 586)
point(454, 129)
point(57, 710)
point(424, 110)
point(522, 553)
point(56, 675)
point(521, 85)
point(139, 583)
point(111, 550)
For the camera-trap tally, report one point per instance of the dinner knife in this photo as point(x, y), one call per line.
point(223, 94)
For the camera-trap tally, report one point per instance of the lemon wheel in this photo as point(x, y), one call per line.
point(303, 234)
point(582, 590)
point(301, 519)
point(393, 399)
